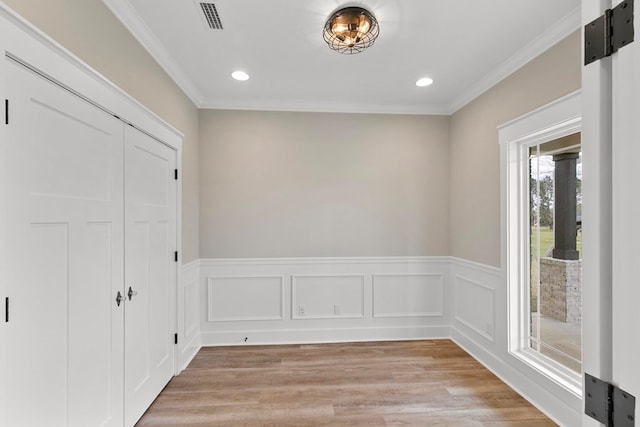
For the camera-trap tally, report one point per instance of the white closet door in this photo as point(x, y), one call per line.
point(65, 236)
point(150, 270)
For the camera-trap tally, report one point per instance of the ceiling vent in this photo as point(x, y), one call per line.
point(211, 16)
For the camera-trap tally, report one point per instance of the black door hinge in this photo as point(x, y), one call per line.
point(175, 256)
point(175, 338)
point(175, 174)
point(6, 310)
point(607, 403)
point(608, 33)
point(6, 111)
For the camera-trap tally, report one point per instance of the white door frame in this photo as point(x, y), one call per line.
point(610, 289)
point(625, 205)
point(596, 211)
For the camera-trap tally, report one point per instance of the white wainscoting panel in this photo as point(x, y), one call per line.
point(480, 297)
point(327, 296)
point(188, 314)
point(259, 301)
point(242, 298)
point(191, 318)
point(474, 305)
point(256, 301)
point(408, 295)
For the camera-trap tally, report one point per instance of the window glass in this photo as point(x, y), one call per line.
point(555, 247)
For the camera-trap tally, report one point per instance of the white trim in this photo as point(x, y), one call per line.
point(561, 406)
point(542, 119)
point(456, 316)
point(296, 316)
point(488, 269)
point(597, 212)
point(188, 335)
point(300, 107)
point(4, 249)
point(561, 412)
point(552, 121)
point(553, 35)
point(132, 21)
point(418, 314)
point(317, 326)
point(401, 260)
point(324, 335)
point(189, 350)
point(212, 318)
point(473, 282)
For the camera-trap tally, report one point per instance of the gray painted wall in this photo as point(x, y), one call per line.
point(475, 155)
point(312, 184)
point(275, 184)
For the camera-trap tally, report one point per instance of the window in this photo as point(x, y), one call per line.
point(541, 171)
point(555, 245)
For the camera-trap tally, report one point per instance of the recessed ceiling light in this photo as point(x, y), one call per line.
point(425, 81)
point(240, 75)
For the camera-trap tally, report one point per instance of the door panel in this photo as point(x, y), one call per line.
point(65, 265)
point(150, 270)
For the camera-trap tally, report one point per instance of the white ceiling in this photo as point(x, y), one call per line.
point(466, 46)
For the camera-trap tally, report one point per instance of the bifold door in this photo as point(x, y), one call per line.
point(92, 216)
point(150, 269)
point(65, 232)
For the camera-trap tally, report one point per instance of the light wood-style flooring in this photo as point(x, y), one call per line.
point(412, 383)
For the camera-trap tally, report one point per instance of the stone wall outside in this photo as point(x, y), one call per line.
point(561, 289)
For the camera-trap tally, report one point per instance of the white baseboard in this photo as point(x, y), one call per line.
point(188, 351)
point(327, 335)
point(557, 409)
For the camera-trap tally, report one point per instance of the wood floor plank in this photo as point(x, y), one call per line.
point(412, 383)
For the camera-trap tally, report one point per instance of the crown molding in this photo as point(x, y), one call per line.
point(556, 33)
point(129, 17)
point(423, 110)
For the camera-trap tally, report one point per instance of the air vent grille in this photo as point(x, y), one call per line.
point(211, 15)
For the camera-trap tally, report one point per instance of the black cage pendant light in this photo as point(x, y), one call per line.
point(351, 30)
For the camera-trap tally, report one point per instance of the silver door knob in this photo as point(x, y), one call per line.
point(119, 298)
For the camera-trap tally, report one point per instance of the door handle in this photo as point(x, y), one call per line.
point(119, 298)
point(131, 293)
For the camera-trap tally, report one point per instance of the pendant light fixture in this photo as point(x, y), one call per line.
point(351, 30)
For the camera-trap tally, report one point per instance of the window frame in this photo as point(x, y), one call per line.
point(552, 121)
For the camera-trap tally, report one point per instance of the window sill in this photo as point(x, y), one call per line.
point(569, 380)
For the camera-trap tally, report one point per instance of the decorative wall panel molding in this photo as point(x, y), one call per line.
point(323, 299)
point(190, 297)
point(479, 298)
point(327, 296)
point(474, 305)
point(462, 299)
point(408, 295)
point(244, 298)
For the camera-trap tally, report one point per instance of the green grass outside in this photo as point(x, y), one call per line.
point(546, 241)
